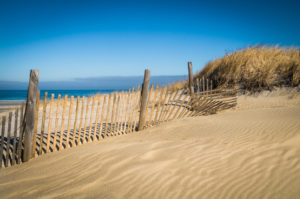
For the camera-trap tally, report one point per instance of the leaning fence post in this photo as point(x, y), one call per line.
point(144, 95)
point(191, 85)
point(28, 123)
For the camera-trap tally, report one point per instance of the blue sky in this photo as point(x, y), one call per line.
point(80, 39)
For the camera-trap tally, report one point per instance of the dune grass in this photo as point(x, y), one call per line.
point(255, 68)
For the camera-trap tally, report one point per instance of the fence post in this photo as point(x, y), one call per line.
point(28, 123)
point(144, 95)
point(191, 85)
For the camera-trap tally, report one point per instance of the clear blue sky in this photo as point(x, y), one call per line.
point(67, 39)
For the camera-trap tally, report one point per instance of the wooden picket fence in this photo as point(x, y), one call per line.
point(11, 132)
point(66, 122)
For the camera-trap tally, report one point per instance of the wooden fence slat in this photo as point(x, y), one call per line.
point(203, 84)
point(56, 122)
point(114, 116)
point(122, 130)
point(43, 123)
point(207, 86)
point(200, 102)
point(110, 132)
point(124, 97)
point(136, 118)
point(21, 134)
point(132, 96)
point(181, 107)
point(122, 112)
point(2, 139)
point(131, 112)
point(81, 121)
point(117, 115)
point(107, 115)
point(200, 107)
point(138, 105)
point(15, 137)
point(158, 105)
point(126, 111)
point(86, 120)
point(91, 119)
point(163, 104)
point(153, 105)
point(75, 121)
point(69, 121)
point(50, 124)
point(8, 139)
point(148, 106)
point(130, 105)
point(171, 106)
point(176, 105)
point(191, 84)
point(216, 91)
point(134, 104)
point(188, 108)
point(114, 121)
point(62, 127)
point(211, 106)
point(198, 86)
point(97, 118)
point(37, 108)
point(102, 116)
point(219, 93)
point(208, 104)
point(165, 107)
point(205, 103)
point(196, 110)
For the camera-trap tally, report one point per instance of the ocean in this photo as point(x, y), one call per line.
point(21, 95)
point(12, 90)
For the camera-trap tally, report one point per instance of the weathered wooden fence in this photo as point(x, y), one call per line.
point(11, 131)
point(67, 122)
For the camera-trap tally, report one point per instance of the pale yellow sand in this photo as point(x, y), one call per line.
point(252, 151)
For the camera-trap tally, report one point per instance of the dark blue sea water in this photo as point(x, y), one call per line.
point(22, 94)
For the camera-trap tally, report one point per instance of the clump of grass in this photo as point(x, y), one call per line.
point(176, 86)
point(255, 68)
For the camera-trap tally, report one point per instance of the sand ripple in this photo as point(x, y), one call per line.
point(251, 153)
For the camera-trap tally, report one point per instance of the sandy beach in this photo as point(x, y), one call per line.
point(251, 151)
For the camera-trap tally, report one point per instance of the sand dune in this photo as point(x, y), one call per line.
point(252, 151)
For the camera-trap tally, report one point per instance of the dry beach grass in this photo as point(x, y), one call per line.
point(253, 69)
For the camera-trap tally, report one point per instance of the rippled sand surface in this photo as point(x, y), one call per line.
point(252, 151)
